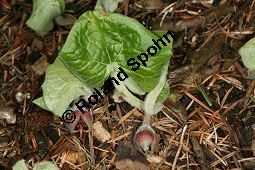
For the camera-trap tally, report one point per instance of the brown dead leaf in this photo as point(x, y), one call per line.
point(7, 114)
point(129, 158)
point(100, 133)
point(75, 157)
point(40, 66)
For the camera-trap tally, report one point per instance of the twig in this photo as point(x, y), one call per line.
point(199, 154)
point(180, 147)
point(241, 10)
point(91, 148)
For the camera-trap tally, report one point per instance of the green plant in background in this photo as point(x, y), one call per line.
point(97, 45)
point(247, 52)
point(20, 165)
point(44, 165)
point(107, 5)
point(44, 11)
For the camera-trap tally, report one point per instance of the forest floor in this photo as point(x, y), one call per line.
point(217, 133)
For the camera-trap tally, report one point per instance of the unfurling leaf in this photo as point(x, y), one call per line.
point(44, 11)
point(20, 165)
point(60, 88)
point(107, 5)
point(247, 53)
point(44, 165)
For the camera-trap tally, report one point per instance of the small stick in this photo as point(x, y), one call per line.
point(241, 10)
point(200, 154)
point(180, 147)
point(91, 147)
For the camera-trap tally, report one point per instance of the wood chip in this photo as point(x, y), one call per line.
point(100, 133)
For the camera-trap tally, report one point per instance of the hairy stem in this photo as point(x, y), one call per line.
point(150, 105)
point(127, 95)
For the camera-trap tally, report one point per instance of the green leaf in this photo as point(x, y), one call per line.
point(107, 5)
point(45, 165)
point(20, 165)
point(97, 47)
point(40, 102)
point(247, 53)
point(44, 11)
point(159, 33)
point(201, 89)
point(164, 93)
point(151, 106)
point(61, 87)
point(98, 44)
point(67, 20)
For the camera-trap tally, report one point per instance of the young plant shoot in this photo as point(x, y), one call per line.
point(44, 11)
point(97, 46)
point(247, 53)
point(112, 45)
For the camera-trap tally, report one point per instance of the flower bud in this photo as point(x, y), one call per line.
point(71, 126)
point(145, 139)
point(86, 117)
